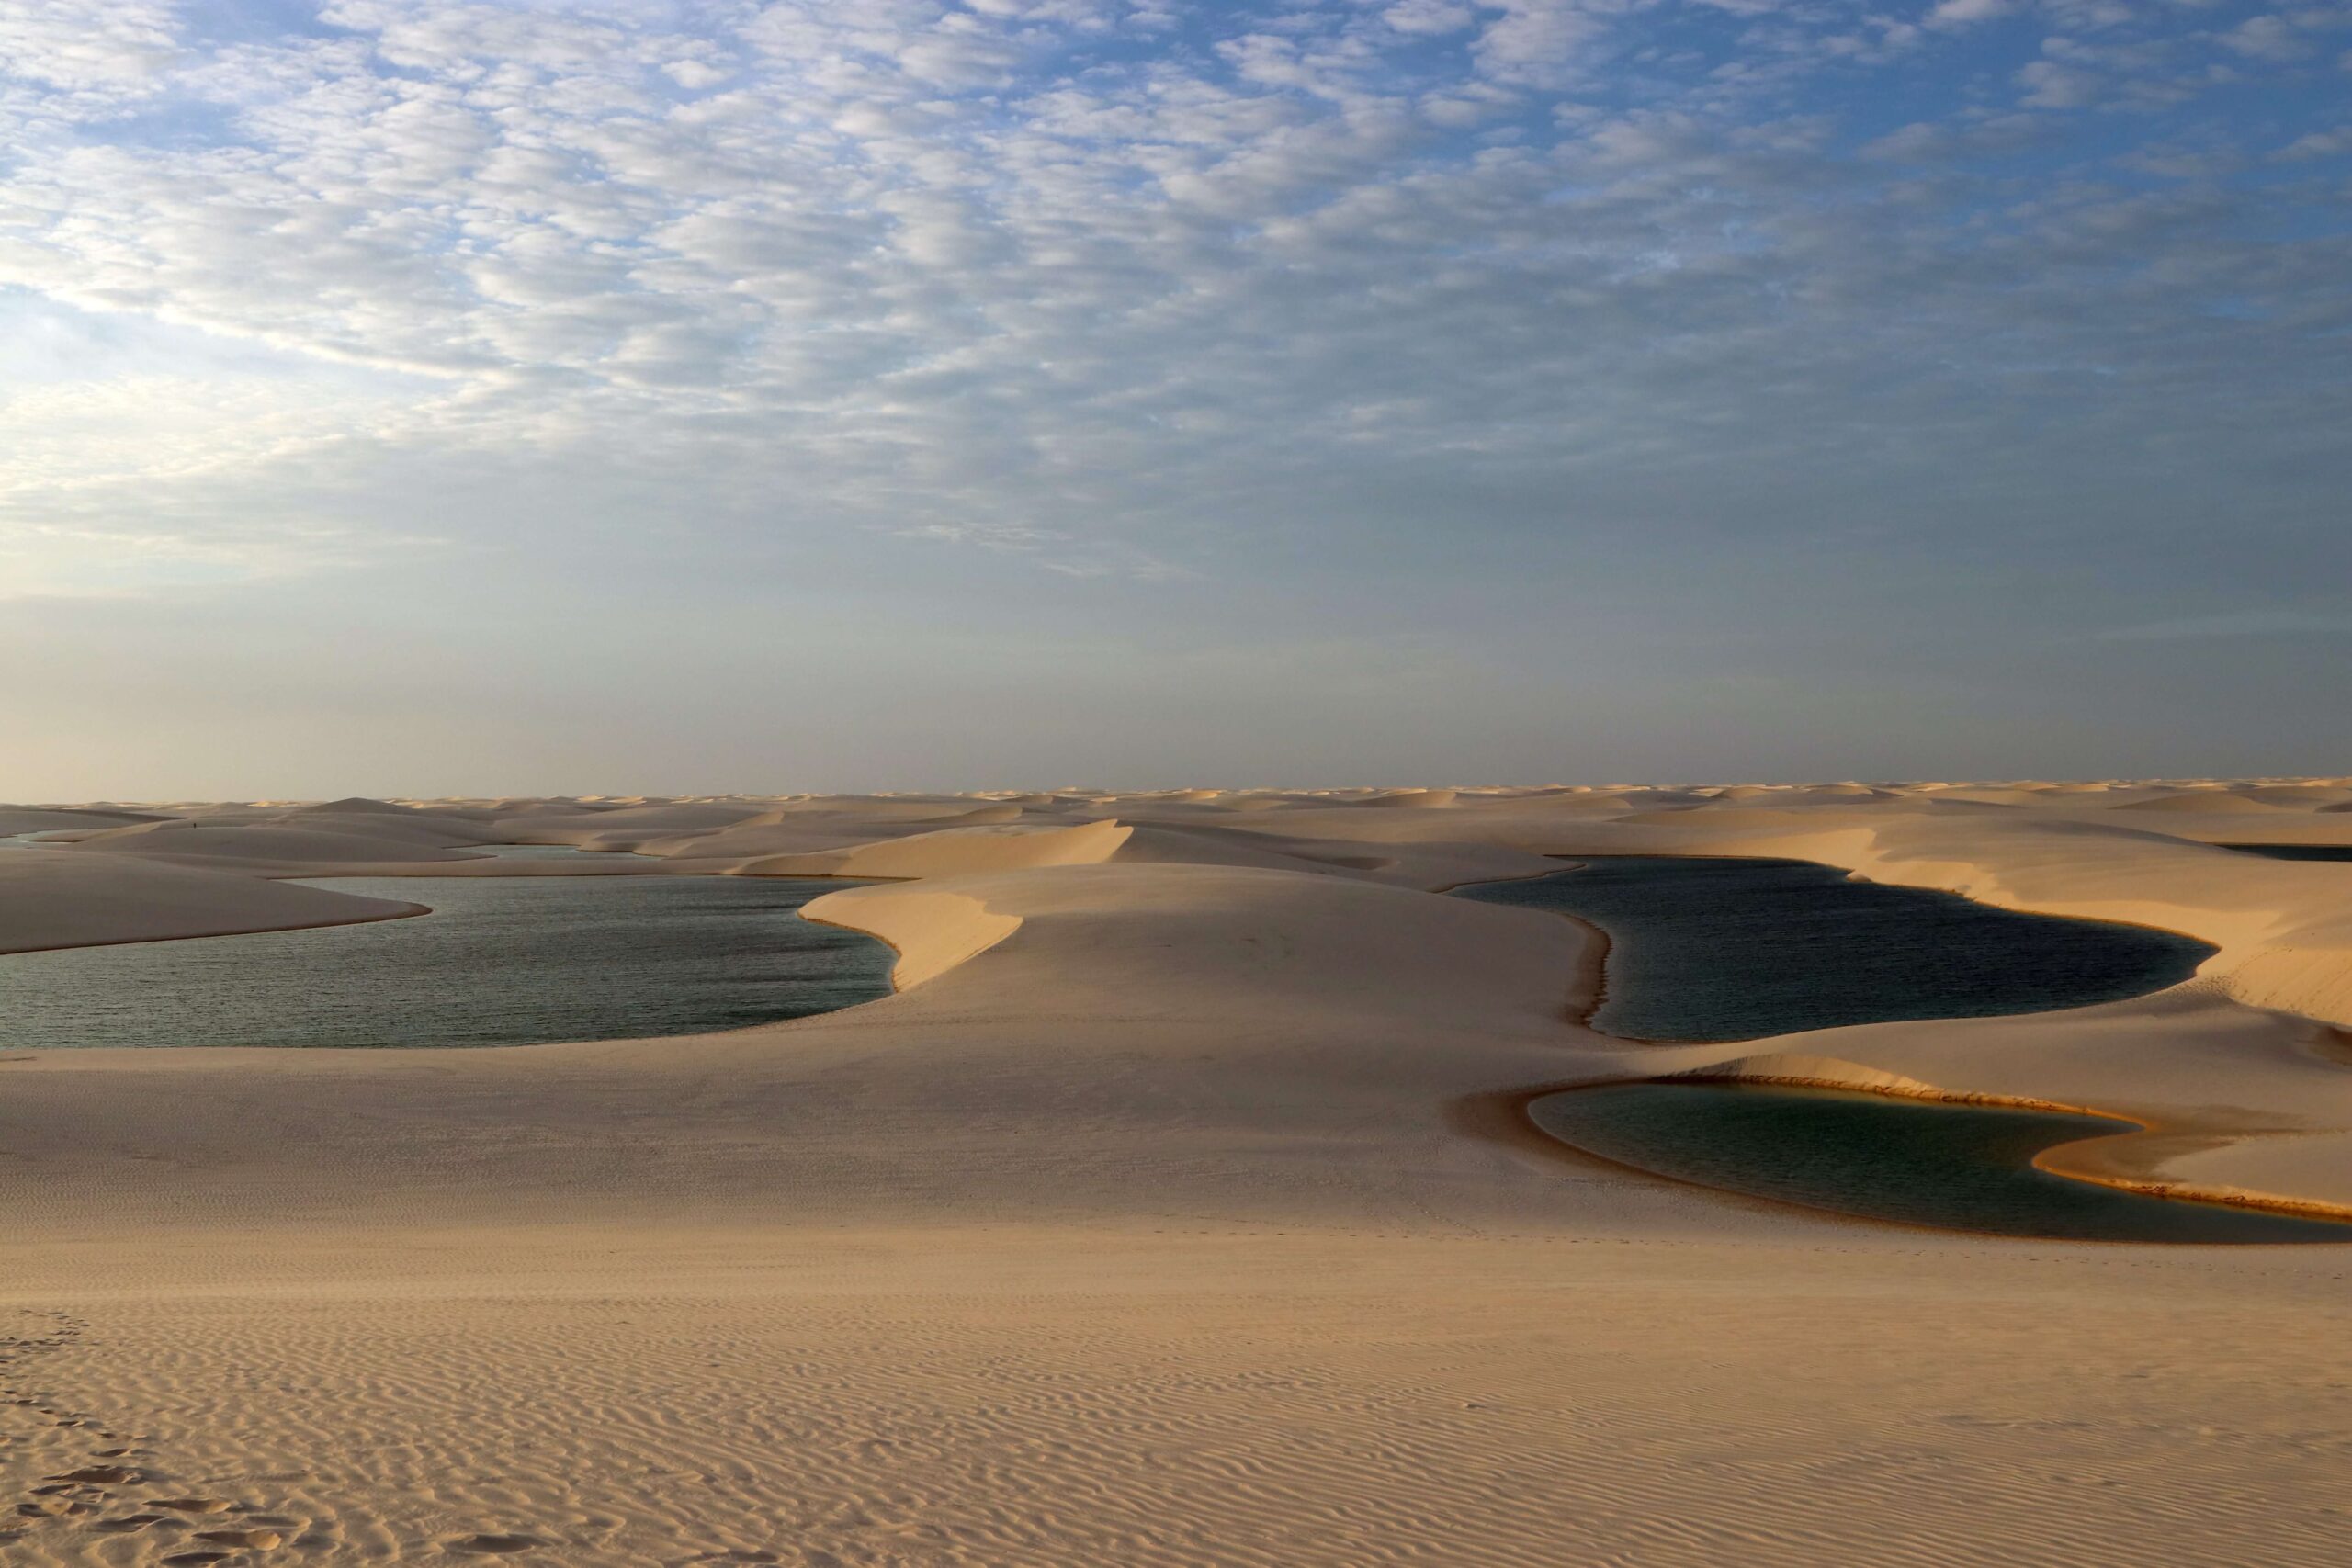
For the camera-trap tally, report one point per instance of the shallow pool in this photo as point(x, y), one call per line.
point(1875, 1156)
point(2293, 851)
point(501, 961)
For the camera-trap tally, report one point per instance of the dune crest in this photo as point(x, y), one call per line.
point(933, 930)
point(53, 899)
point(1822, 1072)
point(951, 852)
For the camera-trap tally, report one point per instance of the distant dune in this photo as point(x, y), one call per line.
point(2203, 800)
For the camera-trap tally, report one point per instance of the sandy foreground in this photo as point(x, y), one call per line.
point(1174, 1211)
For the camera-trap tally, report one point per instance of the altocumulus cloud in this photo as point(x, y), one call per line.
point(1143, 289)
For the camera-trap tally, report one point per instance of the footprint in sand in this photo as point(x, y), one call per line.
point(192, 1505)
point(126, 1523)
point(196, 1558)
point(249, 1541)
point(494, 1545)
point(100, 1474)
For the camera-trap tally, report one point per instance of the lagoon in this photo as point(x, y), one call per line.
point(1880, 1157)
point(1706, 950)
point(500, 961)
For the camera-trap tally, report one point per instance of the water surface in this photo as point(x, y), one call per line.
point(2293, 851)
point(1875, 1156)
point(1704, 950)
point(501, 961)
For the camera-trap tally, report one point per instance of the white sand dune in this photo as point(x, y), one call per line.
point(350, 805)
point(558, 827)
point(44, 819)
point(51, 898)
point(2228, 801)
point(1175, 1211)
point(792, 830)
point(1797, 1067)
point(949, 852)
point(2301, 796)
point(1415, 799)
point(980, 815)
point(265, 844)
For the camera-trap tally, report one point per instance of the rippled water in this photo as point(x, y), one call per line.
point(1955, 1166)
point(1717, 949)
point(501, 961)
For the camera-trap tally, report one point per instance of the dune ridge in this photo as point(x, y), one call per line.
point(51, 899)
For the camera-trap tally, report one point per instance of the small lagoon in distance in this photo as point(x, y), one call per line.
point(1875, 1156)
point(1706, 950)
point(501, 961)
point(2293, 851)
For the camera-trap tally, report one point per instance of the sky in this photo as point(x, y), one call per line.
point(653, 396)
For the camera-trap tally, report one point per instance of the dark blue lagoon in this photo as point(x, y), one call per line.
point(2293, 851)
point(1875, 1156)
point(1706, 950)
point(501, 961)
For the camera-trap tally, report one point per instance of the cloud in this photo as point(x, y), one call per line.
point(1947, 14)
point(107, 49)
point(1139, 301)
point(1428, 17)
point(2316, 144)
point(2267, 37)
point(2049, 85)
point(2261, 622)
point(1544, 42)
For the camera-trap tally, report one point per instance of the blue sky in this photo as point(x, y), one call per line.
point(400, 395)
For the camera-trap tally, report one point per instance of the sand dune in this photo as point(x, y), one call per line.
point(1174, 1211)
point(2204, 800)
point(42, 820)
point(953, 851)
point(2304, 797)
point(1418, 799)
point(1797, 1067)
point(562, 827)
point(981, 815)
point(264, 843)
point(791, 831)
point(51, 898)
point(350, 805)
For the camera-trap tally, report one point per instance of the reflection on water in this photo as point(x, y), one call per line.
point(1713, 949)
point(501, 961)
point(555, 851)
point(1875, 1156)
